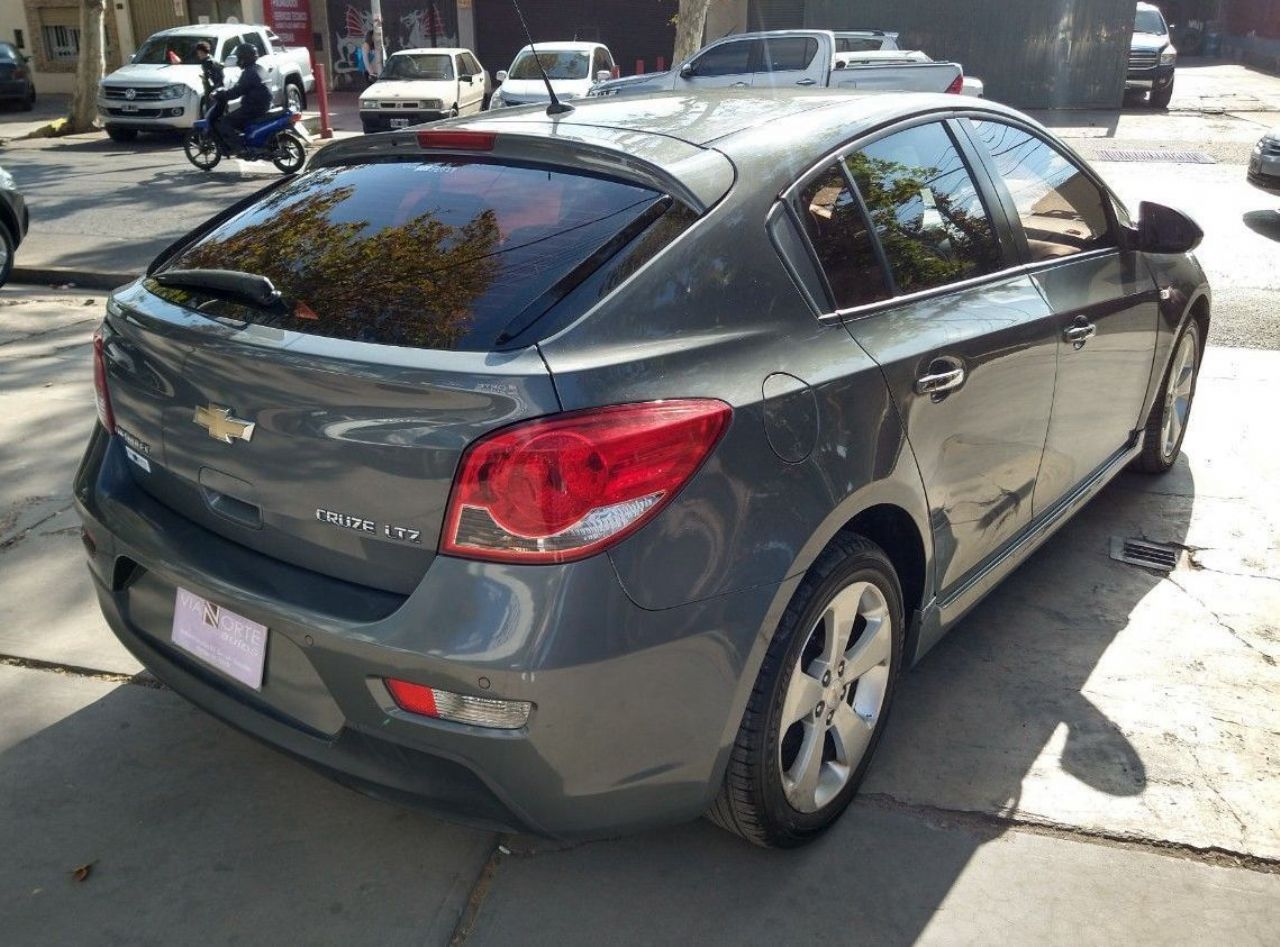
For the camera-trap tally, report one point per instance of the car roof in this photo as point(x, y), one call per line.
point(570, 45)
point(209, 29)
point(442, 50)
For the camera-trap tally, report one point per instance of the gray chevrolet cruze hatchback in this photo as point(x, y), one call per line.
point(581, 473)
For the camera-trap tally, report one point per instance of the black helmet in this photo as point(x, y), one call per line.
point(246, 55)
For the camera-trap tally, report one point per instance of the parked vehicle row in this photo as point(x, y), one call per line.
point(600, 469)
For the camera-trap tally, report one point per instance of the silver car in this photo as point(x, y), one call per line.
point(1264, 163)
point(588, 472)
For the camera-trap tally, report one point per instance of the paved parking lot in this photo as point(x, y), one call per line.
point(1093, 756)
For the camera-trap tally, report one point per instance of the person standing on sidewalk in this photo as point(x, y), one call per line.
point(372, 59)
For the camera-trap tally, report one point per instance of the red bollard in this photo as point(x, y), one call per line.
point(322, 93)
point(662, 64)
point(639, 66)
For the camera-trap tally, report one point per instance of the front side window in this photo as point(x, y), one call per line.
point(254, 40)
point(789, 54)
point(838, 231)
point(1062, 211)
point(473, 66)
point(727, 59)
point(925, 208)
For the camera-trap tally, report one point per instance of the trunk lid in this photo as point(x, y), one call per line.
point(350, 459)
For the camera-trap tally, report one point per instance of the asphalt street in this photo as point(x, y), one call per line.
point(1090, 758)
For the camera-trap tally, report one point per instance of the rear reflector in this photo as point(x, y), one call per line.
point(101, 394)
point(566, 487)
point(457, 140)
point(460, 708)
point(957, 85)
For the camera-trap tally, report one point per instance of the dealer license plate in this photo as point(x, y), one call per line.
point(218, 636)
point(399, 123)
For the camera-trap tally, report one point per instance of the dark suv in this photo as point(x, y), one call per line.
point(585, 472)
point(1152, 58)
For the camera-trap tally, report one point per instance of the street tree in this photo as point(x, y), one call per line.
point(691, 21)
point(89, 70)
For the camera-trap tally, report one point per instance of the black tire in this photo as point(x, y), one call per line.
point(30, 101)
point(122, 135)
point(9, 249)
point(299, 95)
point(201, 149)
point(1157, 456)
point(288, 153)
point(1160, 99)
point(752, 802)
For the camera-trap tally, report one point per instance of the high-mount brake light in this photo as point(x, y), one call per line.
point(568, 486)
point(957, 85)
point(459, 140)
point(100, 392)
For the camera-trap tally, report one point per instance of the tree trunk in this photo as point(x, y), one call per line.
point(84, 100)
point(691, 21)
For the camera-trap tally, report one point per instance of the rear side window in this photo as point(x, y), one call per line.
point(728, 59)
point(441, 254)
point(1062, 211)
point(925, 208)
point(787, 54)
point(254, 40)
point(838, 231)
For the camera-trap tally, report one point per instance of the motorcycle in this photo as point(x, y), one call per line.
point(273, 139)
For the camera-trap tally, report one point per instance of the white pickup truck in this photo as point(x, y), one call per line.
point(791, 58)
point(161, 86)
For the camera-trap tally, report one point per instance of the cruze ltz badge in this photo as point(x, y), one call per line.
point(221, 425)
point(346, 521)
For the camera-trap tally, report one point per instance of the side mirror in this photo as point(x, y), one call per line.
point(686, 71)
point(603, 75)
point(500, 75)
point(467, 79)
point(1163, 229)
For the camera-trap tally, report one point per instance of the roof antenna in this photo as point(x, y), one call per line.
point(556, 107)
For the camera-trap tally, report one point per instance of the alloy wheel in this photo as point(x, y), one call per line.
point(835, 697)
point(1181, 388)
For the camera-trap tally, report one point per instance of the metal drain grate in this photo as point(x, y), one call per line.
point(1163, 557)
point(1144, 154)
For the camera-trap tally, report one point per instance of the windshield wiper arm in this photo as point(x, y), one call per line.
point(248, 287)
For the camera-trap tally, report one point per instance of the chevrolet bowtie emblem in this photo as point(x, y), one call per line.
point(221, 425)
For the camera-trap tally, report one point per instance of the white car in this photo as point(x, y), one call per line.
point(422, 85)
point(573, 69)
point(160, 88)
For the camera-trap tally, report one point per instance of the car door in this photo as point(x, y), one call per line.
point(470, 90)
point(788, 61)
point(1103, 297)
point(921, 269)
point(725, 65)
point(480, 76)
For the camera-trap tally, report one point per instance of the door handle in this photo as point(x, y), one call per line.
point(739, 85)
point(1080, 332)
point(946, 374)
point(805, 81)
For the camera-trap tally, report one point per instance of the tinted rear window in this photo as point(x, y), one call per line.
point(441, 254)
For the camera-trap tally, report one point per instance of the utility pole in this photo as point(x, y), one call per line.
point(379, 42)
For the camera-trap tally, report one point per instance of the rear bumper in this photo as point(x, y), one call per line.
point(377, 120)
point(634, 711)
point(15, 90)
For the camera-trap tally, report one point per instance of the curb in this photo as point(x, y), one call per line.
point(55, 276)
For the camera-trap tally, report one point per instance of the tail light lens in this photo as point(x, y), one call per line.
point(563, 488)
point(101, 394)
point(957, 85)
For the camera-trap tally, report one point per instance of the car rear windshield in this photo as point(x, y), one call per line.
point(446, 253)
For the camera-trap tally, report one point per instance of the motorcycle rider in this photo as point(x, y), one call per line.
point(252, 91)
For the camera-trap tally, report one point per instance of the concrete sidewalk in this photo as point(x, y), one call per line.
point(1090, 758)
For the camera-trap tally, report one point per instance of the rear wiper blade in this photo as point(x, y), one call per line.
point(248, 287)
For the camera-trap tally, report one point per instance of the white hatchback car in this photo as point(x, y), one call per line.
point(573, 69)
point(422, 85)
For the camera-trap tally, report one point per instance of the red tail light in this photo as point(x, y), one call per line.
point(19, 73)
point(566, 487)
point(101, 394)
point(957, 85)
point(458, 140)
